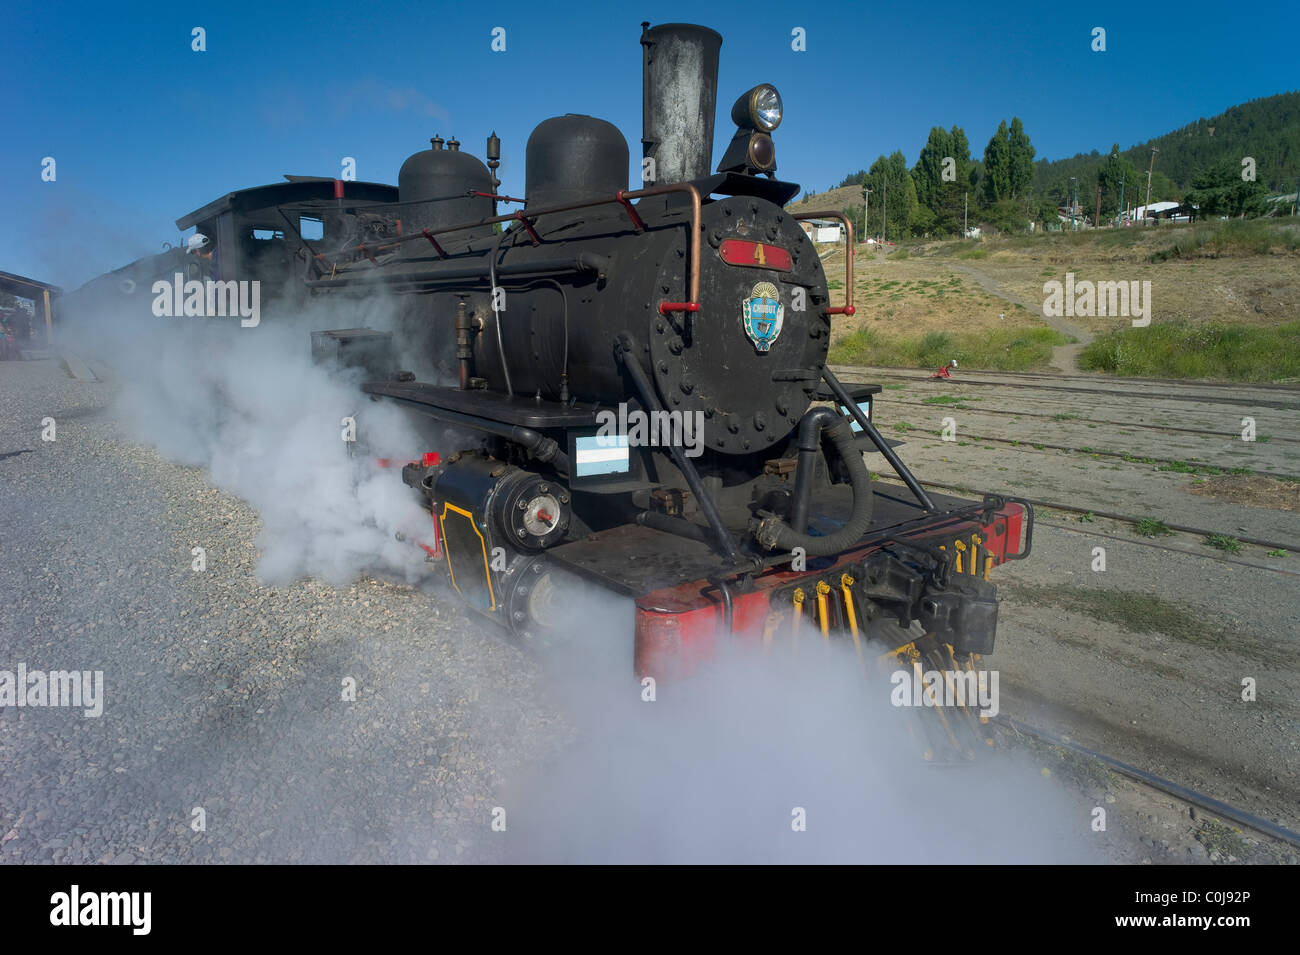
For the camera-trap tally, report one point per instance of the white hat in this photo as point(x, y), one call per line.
point(195, 242)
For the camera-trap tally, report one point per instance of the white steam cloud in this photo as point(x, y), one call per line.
point(250, 407)
point(720, 767)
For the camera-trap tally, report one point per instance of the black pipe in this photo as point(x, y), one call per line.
point(534, 442)
point(881, 444)
point(728, 611)
point(723, 541)
point(673, 525)
point(775, 534)
point(463, 350)
point(585, 262)
point(810, 442)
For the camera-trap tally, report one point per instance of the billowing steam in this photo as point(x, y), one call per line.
point(765, 756)
point(250, 407)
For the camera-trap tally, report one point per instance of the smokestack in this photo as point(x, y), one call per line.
point(679, 94)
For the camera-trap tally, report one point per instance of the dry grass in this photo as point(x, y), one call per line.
point(995, 285)
point(1252, 489)
point(913, 297)
point(1237, 284)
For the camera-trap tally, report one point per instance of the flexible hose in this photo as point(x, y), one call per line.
point(496, 315)
point(774, 533)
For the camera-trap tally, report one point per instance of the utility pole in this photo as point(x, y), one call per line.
point(1122, 217)
point(884, 215)
point(965, 229)
point(1146, 213)
point(866, 209)
point(1074, 204)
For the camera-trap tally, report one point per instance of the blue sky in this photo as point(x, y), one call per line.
point(143, 129)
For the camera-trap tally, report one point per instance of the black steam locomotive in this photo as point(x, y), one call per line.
point(641, 378)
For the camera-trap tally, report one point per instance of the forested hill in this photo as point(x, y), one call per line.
point(1267, 130)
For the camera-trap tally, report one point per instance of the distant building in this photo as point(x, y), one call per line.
point(1077, 221)
point(1281, 205)
point(823, 230)
point(1162, 210)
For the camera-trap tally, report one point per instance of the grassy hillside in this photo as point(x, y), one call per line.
point(1267, 129)
point(1225, 301)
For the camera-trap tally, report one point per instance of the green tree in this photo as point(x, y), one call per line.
point(1006, 215)
point(997, 166)
point(1021, 160)
point(928, 171)
point(924, 221)
point(891, 184)
point(943, 175)
point(1117, 177)
point(1220, 191)
point(1043, 211)
point(1163, 189)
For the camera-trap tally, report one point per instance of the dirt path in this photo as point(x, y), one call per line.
point(1065, 358)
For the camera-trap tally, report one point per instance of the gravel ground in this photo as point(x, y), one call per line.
point(221, 693)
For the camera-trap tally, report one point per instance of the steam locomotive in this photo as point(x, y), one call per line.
point(640, 376)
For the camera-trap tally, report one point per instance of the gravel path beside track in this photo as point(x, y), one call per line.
point(220, 692)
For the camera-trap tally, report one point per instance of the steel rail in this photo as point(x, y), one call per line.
point(1208, 803)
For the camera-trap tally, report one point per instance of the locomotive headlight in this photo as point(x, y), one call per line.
point(762, 154)
point(760, 108)
point(755, 114)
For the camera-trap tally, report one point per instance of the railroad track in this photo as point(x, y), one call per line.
point(1190, 796)
point(1124, 519)
point(976, 374)
point(1287, 403)
point(1123, 455)
point(896, 402)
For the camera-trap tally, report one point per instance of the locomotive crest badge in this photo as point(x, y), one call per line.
point(763, 315)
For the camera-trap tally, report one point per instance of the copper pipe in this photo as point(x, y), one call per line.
point(494, 197)
point(847, 308)
point(528, 224)
point(433, 242)
point(686, 187)
point(631, 212)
